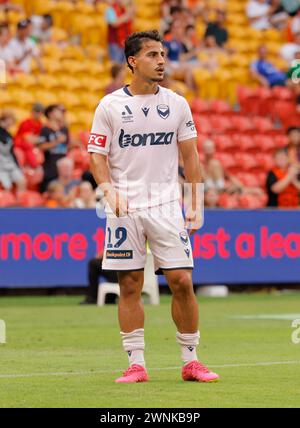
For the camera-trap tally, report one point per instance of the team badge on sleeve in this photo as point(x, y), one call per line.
point(97, 140)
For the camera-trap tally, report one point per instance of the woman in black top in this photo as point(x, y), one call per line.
point(54, 140)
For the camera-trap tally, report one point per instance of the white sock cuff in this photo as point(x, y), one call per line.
point(133, 340)
point(188, 339)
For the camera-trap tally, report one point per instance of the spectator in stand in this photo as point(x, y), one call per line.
point(265, 72)
point(171, 11)
point(293, 146)
point(6, 53)
point(28, 134)
point(211, 198)
point(177, 67)
point(290, 6)
point(259, 13)
point(283, 185)
point(24, 49)
point(42, 28)
point(118, 73)
point(213, 172)
point(86, 197)
point(54, 196)
point(65, 171)
point(289, 50)
point(7, 6)
point(54, 140)
point(217, 28)
point(215, 177)
point(119, 16)
point(10, 172)
point(293, 79)
point(293, 26)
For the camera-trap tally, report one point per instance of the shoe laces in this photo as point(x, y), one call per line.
point(132, 369)
point(196, 365)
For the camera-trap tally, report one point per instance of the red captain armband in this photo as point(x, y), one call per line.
point(97, 140)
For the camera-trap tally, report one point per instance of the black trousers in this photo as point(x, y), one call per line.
point(94, 273)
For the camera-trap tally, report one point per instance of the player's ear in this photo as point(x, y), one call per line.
point(132, 61)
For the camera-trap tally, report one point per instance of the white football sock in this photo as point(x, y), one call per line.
point(134, 345)
point(188, 343)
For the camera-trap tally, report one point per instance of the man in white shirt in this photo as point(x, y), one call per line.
point(24, 49)
point(6, 54)
point(289, 50)
point(258, 12)
point(136, 135)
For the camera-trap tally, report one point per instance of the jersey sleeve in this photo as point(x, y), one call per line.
point(101, 133)
point(186, 129)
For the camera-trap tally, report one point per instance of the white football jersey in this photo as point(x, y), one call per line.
point(140, 136)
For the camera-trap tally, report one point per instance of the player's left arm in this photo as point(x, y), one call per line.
point(192, 171)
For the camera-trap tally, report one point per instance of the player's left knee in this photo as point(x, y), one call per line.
point(182, 285)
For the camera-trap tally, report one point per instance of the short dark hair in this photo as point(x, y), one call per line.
point(134, 43)
point(50, 109)
point(48, 18)
point(293, 128)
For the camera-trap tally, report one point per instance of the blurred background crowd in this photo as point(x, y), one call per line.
point(237, 62)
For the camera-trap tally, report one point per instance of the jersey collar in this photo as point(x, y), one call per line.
point(127, 92)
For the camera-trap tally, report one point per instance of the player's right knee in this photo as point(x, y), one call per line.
point(130, 285)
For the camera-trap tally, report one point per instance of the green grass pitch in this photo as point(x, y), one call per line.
point(59, 354)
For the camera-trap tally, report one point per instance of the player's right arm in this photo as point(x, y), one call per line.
point(99, 147)
point(99, 169)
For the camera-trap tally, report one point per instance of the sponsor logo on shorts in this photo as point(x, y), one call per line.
point(136, 140)
point(163, 111)
point(184, 238)
point(119, 254)
point(187, 252)
point(98, 140)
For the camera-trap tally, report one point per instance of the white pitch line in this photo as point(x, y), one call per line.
point(87, 373)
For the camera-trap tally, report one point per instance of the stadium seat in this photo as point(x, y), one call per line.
point(227, 160)
point(30, 199)
point(228, 201)
point(249, 180)
point(249, 201)
point(225, 143)
point(7, 199)
point(199, 106)
point(246, 161)
point(265, 161)
point(264, 143)
point(150, 287)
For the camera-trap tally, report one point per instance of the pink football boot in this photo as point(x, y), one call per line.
point(196, 371)
point(134, 373)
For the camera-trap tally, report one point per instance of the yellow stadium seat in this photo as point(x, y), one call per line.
point(5, 97)
point(20, 98)
point(59, 35)
point(52, 65)
point(52, 50)
point(46, 97)
point(39, 7)
point(91, 99)
point(69, 100)
point(73, 52)
point(61, 13)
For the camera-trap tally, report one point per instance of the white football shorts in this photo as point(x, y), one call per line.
point(162, 226)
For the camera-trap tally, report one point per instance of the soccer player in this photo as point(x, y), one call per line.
point(135, 139)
